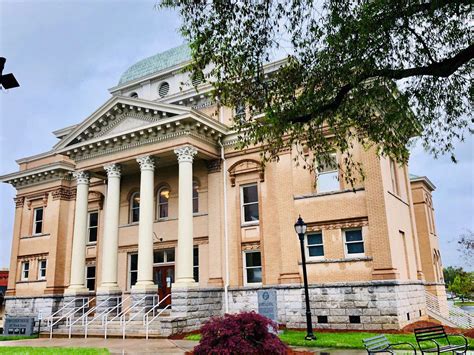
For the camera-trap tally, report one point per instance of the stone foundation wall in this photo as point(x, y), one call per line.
point(32, 306)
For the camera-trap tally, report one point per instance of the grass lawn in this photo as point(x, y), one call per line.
point(17, 337)
point(347, 340)
point(467, 303)
point(27, 350)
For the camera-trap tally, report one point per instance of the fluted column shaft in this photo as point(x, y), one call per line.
point(111, 223)
point(78, 260)
point(145, 226)
point(184, 260)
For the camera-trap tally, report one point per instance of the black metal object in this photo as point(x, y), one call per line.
point(431, 334)
point(300, 228)
point(380, 344)
point(7, 81)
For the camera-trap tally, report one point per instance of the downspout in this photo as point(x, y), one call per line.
point(226, 234)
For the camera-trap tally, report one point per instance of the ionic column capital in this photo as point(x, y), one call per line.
point(185, 153)
point(146, 163)
point(113, 170)
point(81, 177)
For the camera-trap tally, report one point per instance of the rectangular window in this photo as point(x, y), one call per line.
point(93, 226)
point(38, 220)
point(196, 264)
point(133, 269)
point(249, 204)
point(90, 277)
point(393, 176)
point(252, 267)
point(42, 270)
point(327, 178)
point(354, 242)
point(315, 244)
point(163, 256)
point(25, 270)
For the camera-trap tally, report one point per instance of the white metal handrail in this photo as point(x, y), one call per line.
point(87, 321)
point(69, 319)
point(456, 315)
point(135, 306)
point(105, 316)
point(50, 320)
point(148, 321)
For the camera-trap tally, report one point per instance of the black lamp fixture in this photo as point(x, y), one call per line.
point(7, 81)
point(300, 228)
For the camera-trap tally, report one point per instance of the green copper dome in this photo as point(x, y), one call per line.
point(156, 63)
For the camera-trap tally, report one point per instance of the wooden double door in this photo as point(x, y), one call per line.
point(163, 277)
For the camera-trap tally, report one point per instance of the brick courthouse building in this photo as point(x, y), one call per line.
point(149, 196)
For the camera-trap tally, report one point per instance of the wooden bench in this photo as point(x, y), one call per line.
point(380, 344)
point(432, 334)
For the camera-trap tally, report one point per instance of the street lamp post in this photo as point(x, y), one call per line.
point(300, 228)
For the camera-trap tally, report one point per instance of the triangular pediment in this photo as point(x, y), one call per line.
point(119, 114)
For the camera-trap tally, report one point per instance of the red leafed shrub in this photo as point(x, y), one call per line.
point(242, 333)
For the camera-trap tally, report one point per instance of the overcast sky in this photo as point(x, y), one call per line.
point(66, 54)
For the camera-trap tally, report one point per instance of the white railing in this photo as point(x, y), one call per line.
point(146, 316)
point(138, 309)
point(96, 316)
point(70, 321)
point(54, 318)
point(456, 316)
point(118, 308)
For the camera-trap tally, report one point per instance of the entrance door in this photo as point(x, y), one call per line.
point(164, 277)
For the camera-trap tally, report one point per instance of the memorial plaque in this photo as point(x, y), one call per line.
point(267, 304)
point(19, 326)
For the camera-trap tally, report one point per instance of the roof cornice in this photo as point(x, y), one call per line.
point(45, 173)
point(425, 180)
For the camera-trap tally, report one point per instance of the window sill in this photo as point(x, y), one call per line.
point(129, 225)
point(342, 260)
point(32, 281)
point(35, 236)
point(250, 224)
point(91, 244)
point(330, 193)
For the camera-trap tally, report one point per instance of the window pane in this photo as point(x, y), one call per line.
point(38, 227)
point(134, 262)
point(170, 255)
point(26, 266)
point(328, 182)
point(355, 248)
point(253, 259)
point(251, 213)
point(329, 166)
point(164, 210)
point(196, 274)
point(316, 251)
point(39, 214)
point(136, 214)
point(133, 278)
point(254, 275)
point(250, 193)
point(353, 236)
point(164, 195)
point(90, 271)
point(159, 256)
point(315, 239)
point(195, 257)
point(91, 284)
point(93, 219)
point(195, 205)
point(93, 234)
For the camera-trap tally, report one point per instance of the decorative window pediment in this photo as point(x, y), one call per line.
point(246, 166)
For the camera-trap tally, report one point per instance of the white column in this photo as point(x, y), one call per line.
point(109, 243)
point(78, 260)
point(145, 226)
point(184, 257)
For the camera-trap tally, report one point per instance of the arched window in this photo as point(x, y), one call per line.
point(135, 207)
point(134, 95)
point(163, 200)
point(195, 197)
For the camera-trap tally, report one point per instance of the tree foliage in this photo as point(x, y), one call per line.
point(380, 72)
point(463, 285)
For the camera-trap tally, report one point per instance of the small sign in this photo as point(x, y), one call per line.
point(19, 326)
point(267, 304)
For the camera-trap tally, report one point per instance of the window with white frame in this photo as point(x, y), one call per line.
point(327, 176)
point(42, 269)
point(163, 202)
point(163, 256)
point(93, 226)
point(135, 207)
point(90, 277)
point(196, 264)
point(195, 197)
point(249, 204)
point(38, 220)
point(132, 270)
point(314, 243)
point(25, 270)
point(252, 267)
point(240, 112)
point(393, 176)
point(354, 242)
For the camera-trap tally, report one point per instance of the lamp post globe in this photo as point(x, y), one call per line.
point(300, 229)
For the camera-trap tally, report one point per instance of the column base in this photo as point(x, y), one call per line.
point(109, 290)
point(144, 288)
point(184, 284)
point(76, 291)
point(386, 274)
